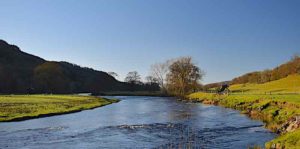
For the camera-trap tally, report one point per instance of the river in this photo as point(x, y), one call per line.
point(139, 122)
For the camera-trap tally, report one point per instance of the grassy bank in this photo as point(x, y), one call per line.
point(22, 107)
point(273, 110)
point(276, 103)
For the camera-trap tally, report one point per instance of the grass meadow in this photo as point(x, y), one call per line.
point(21, 107)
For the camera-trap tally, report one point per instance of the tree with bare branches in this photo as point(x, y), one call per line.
point(151, 80)
point(159, 72)
point(133, 77)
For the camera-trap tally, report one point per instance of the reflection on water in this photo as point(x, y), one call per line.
point(139, 122)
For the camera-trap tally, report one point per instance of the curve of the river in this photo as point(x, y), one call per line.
point(139, 122)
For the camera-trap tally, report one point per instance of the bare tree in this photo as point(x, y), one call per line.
point(133, 77)
point(151, 80)
point(159, 71)
point(183, 76)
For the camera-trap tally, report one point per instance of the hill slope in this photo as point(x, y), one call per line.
point(282, 71)
point(16, 67)
point(23, 73)
point(290, 84)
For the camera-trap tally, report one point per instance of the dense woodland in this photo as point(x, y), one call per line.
point(24, 73)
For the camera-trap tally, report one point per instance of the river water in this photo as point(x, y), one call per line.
point(139, 122)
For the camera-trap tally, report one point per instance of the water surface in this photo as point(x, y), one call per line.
point(139, 122)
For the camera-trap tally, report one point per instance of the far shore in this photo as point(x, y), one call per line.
point(133, 93)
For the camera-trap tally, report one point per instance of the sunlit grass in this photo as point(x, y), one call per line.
point(289, 141)
point(17, 107)
point(290, 84)
point(289, 103)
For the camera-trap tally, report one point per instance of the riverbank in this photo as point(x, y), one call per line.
point(280, 113)
point(24, 107)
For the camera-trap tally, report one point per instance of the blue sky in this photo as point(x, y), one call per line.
point(226, 38)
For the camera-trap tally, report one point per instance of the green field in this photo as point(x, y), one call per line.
point(21, 107)
point(289, 141)
point(274, 103)
point(288, 85)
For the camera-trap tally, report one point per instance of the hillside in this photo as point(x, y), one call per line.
point(16, 67)
point(290, 84)
point(259, 77)
point(24, 73)
point(280, 72)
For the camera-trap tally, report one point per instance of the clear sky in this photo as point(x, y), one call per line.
point(226, 38)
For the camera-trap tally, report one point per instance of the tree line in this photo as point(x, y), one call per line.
point(177, 77)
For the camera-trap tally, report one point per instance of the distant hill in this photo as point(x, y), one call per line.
point(21, 72)
point(260, 77)
point(290, 84)
point(16, 68)
point(282, 71)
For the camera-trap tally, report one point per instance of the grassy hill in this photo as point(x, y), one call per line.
point(282, 71)
point(290, 84)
